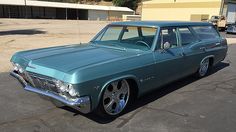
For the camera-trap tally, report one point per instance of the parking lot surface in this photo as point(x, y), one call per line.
point(188, 105)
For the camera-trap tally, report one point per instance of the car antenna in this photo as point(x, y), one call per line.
point(79, 31)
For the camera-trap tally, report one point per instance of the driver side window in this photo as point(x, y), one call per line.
point(168, 35)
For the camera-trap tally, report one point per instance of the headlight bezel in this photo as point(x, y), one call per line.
point(66, 88)
point(72, 91)
point(17, 67)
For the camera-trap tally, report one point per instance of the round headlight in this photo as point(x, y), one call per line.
point(58, 83)
point(72, 91)
point(63, 88)
point(15, 67)
point(21, 70)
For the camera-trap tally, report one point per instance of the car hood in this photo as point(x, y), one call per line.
point(68, 58)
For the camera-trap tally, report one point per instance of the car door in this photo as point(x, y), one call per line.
point(191, 49)
point(168, 60)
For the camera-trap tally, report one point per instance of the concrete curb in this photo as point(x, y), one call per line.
point(231, 40)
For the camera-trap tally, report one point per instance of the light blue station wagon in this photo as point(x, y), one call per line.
point(122, 62)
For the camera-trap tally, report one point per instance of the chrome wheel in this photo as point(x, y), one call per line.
point(204, 66)
point(115, 97)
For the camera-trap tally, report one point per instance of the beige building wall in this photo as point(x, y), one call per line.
point(117, 15)
point(107, 15)
point(182, 10)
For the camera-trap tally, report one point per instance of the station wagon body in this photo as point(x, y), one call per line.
point(124, 60)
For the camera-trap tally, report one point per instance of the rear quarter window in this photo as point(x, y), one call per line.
point(206, 32)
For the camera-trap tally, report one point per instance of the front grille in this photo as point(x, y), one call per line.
point(41, 82)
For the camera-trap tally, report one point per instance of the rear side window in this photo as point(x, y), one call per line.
point(186, 36)
point(206, 32)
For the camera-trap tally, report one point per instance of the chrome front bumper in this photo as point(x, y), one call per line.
point(81, 104)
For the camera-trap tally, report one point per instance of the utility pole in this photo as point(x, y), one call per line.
point(66, 14)
point(9, 12)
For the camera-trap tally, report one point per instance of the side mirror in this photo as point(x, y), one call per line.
point(166, 45)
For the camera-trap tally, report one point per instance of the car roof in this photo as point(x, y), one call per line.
point(160, 23)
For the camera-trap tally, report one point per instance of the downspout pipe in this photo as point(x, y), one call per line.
point(222, 7)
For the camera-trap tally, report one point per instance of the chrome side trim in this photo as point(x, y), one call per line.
point(81, 104)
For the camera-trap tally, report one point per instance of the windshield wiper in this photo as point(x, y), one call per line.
point(110, 46)
point(121, 47)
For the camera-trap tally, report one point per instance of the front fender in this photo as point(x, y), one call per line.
point(133, 77)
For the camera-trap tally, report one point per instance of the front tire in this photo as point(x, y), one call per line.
point(115, 99)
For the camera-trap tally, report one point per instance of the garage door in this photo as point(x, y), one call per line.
point(231, 15)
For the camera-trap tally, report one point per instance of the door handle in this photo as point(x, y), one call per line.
point(218, 44)
point(203, 48)
point(181, 54)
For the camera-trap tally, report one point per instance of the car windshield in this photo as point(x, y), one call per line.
point(132, 37)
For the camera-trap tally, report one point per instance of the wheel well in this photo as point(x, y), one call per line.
point(211, 61)
point(134, 87)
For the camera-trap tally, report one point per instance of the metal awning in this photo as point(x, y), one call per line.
point(63, 5)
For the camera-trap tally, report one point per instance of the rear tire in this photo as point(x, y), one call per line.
point(204, 68)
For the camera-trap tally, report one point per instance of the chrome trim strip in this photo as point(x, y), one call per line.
point(81, 104)
point(21, 79)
